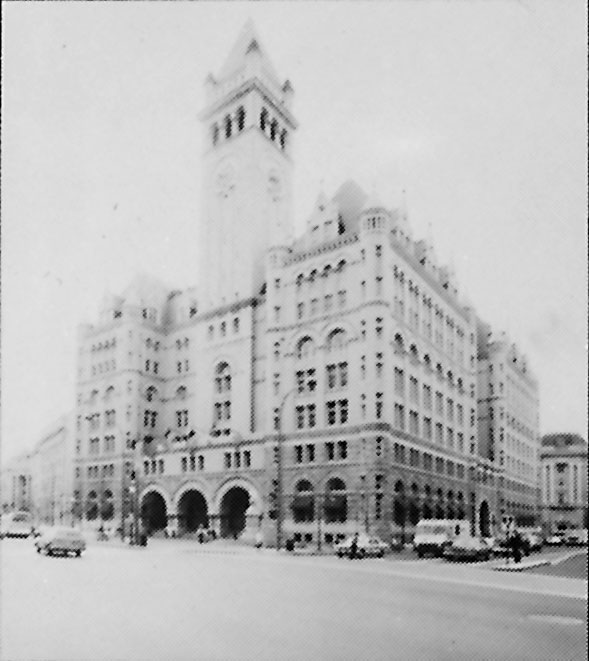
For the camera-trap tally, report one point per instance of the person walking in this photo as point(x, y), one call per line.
point(354, 547)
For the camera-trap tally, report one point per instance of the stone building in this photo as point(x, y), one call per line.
point(52, 474)
point(310, 386)
point(563, 460)
point(508, 425)
point(15, 484)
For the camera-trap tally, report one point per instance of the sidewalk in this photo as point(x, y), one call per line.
point(507, 564)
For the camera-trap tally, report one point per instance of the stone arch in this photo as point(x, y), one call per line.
point(236, 502)
point(192, 508)
point(154, 510)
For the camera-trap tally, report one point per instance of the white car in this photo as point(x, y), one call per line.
point(366, 546)
point(61, 541)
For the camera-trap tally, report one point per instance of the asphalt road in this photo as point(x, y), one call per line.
point(177, 602)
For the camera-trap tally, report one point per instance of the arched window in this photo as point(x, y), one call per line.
point(240, 118)
point(300, 280)
point(413, 353)
point(151, 393)
point(303, 505)
point(305, 348)
point(336, 502)
point(181, 392)
point(283, 136)
point(273, 129)
point(109, 393)
point(222, 378)
point(222, 400)
point(398, 343)
point(336, 340)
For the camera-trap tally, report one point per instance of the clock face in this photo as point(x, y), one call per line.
point(274, 186)
point(225, 181)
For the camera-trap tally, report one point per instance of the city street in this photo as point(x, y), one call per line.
point(181, 601)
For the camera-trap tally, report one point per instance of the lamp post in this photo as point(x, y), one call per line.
point(278, 460)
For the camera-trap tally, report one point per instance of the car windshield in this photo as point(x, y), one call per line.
point(433, 530)
point(67, 532)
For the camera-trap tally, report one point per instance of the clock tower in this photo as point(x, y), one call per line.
point(247, 191)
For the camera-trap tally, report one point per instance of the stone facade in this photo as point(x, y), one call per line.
point(310, 387)
point(563, 481)
point(508, 424)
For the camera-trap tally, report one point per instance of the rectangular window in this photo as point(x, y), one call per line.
point(330, 451)
point(298, 454)
point(201, 462)
point(439, 403)
point(300, 310)
point(399, 416)
point(399, 382)
point(427, 397)
point(228, 460)
point(247, 458)
point(427, 429)
point(413, 390)
point(310, 453)
point(342, 449)
point(300, 416)
point(413, 423)
point(439, 433)
point(330, 409)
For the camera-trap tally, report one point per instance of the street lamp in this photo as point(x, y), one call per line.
point(278, 460)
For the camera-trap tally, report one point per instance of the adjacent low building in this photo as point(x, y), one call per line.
point(563, 466)
point(311, 386)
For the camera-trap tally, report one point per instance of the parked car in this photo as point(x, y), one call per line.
point(555, 540)
point(16, 524)
point(61, 541)
point(367, 546)
point(432, 536)
point(467, 548)
point(532, 539)
point(575, 537)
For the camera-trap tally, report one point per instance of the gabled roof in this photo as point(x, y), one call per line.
point(247, 42)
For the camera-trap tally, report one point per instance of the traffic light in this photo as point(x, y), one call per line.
point(273, 499)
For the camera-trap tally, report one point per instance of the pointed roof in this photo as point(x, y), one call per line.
point(247, 42)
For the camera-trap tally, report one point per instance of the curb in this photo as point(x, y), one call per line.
point(538, 563)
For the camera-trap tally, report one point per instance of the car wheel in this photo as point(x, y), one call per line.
point(78, 554)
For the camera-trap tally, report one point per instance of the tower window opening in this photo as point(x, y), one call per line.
point(240, 118)
point(273, 129)
point(228, 126)
point(263, 119)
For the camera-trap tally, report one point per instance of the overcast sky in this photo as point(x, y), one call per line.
point(477, 109)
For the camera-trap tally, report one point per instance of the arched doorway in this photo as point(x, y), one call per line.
point(153, 512)
point(192, 511)
point(233, 508)
point(484, 519)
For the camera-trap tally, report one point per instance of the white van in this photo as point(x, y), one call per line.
point(432, 536)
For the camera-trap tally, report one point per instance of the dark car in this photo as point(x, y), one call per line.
point(61, 541)
point(467, 549)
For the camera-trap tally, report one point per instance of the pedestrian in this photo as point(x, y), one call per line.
point(259, 539)
point(516, 546)
point(354, 547)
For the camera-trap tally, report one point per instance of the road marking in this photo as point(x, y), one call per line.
point(554, 619)
point(578, 591)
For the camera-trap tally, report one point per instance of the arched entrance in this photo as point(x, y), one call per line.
point(153, 512)
point(192, 511)
point(484, 520)
point(234, 505)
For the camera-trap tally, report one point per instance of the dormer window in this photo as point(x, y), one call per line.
point(283, 135)
point(263, 119)
point(240, 118)
point(228, 126)
point(215, 134)
point(273, 129)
